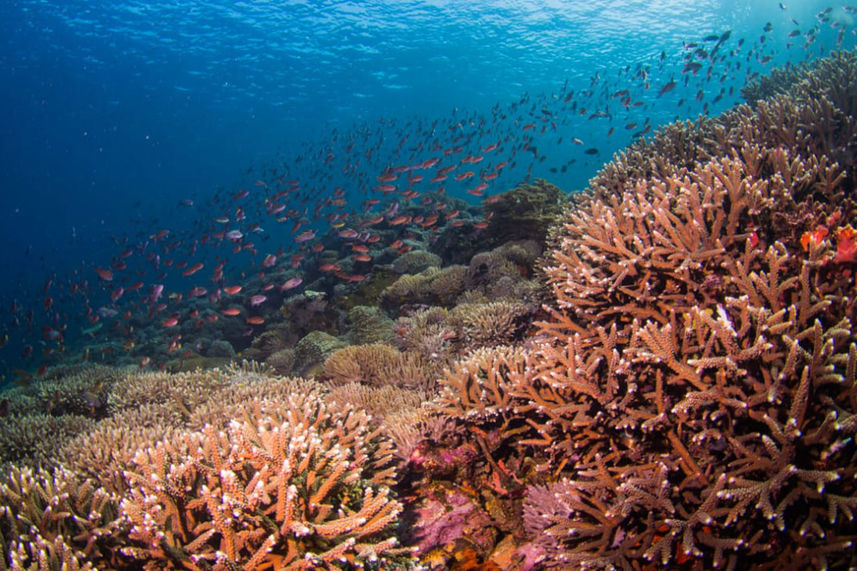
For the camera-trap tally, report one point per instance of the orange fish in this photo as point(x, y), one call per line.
point(231, 290)
point(231, 311)
point(255, 320)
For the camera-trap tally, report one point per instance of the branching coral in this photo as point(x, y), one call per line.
point(182, 390)
point(53, 520)
point(304, 487)
point(691, 400)
point(35, 439)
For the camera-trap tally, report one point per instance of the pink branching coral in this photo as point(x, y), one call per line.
point(303, 488)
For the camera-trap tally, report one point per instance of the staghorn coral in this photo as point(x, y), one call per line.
point(815, 115)
point(55, 520)
point(379, 402)
point(307, 486)
point(34, 440)
point(106, 449)
point(691, 401)
point(707, 346)
point(75, 389)
point(244, 397)
point(181, 390)
point(778, 81)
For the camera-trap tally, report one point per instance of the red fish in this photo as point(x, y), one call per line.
point(117, 293)
point(104, 274)
point(231, 290)
point(305, 236)
point(231, 311)
point(193, 269)
point(255, 320)
point(197, 291)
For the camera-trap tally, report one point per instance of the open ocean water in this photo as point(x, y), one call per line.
point(153, 154)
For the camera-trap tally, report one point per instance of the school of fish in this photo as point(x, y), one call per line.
point(325, 217)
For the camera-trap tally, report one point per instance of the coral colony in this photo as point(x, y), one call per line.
point(657, 372)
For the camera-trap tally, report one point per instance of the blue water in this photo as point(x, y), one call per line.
point(114, 112)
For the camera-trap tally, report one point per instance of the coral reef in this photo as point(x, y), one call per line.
point(79, 389)
point(686, 400)
point(181, 390)
point(379, 365)
point(690, 401)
